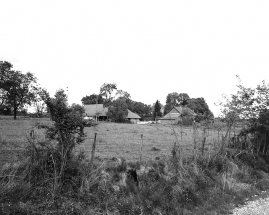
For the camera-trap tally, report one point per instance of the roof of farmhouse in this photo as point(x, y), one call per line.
point(175, 112)
point(132, 115)
point(96, 109)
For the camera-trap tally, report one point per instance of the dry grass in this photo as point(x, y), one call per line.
point(205, 185)
point(113, 140)
point(14, 135)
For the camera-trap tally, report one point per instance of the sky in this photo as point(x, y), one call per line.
point(149, 48)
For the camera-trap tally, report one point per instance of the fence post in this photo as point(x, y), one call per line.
point(32, 135)
point(140, 150)
point(93, 150)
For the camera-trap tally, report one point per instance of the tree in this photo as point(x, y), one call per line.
point(117, 111)
point(54, 159)
point(157, 110)
point(106, 91)
point(175, 99)
point(88, 100)
point(187, 117)
point(38, 102)
point(140, 108)
point(123, 94)
point(251, 107)
point(17, 89)
point(183, 98)
point(200, 107)
point(5, 110)
point(78, 109)
point(5, 68)
point(172, 100)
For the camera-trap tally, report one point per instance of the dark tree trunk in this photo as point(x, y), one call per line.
point(15, 113)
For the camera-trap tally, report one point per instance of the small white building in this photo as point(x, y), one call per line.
point(133, 117)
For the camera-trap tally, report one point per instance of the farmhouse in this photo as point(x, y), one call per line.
point(99, 113)
point(175, 115)
point(96, 111)
point(133, 117)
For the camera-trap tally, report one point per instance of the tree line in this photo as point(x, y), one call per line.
point(16, 89)
point(118, 102)
point(19, 90)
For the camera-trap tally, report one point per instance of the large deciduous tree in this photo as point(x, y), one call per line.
point(200, 107)
point(123, 94)
point(107, 90)
point(140, 108)
point(171, 101)
point(183, 98)
point(5, 68)
point(88, 100)
point(17, 89)
point(117, 111)
point(175, 99)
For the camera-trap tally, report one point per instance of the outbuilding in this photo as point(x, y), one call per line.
point(96, 111)
point(174, 116)
point(133, 117)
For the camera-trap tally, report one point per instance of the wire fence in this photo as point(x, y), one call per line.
point(135, 146)
point(132, 146)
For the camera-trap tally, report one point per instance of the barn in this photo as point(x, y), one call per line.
point(133, 117)
point(96, 111)
point(175, 115)
point(99, 113)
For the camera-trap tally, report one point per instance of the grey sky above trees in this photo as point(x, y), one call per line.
point(196, 47)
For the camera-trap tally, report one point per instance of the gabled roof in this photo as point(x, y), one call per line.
point(132, 115)
point(95, 109)
point(179, 110)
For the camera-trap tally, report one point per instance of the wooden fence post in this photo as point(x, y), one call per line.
point(93, 149)
point(32, 135)
point(140, 150)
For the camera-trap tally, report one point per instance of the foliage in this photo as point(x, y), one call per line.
point(5, 109)
point(109, 93)
point(5, 67)
point(187, 117)
point(68, 123)
point(156, 110)
point(38, 103)
point(123, 94)
point(106, 91)
point(140, 108)
point(87, 100)
point(249, 105)
point(175, 99)
point(17, 89)
point(78, 109)
point(200, 107)
point(183, 98)
point(118, 112)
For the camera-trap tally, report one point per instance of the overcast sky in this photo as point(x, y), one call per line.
point(148, 48)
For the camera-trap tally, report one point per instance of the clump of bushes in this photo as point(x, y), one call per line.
point(165, 186)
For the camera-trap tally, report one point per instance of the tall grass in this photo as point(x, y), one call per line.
point(204, 185)
point(42, 181)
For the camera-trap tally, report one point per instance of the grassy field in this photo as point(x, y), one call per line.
point(201, 185)
point(113, 140)
point(14, 136)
